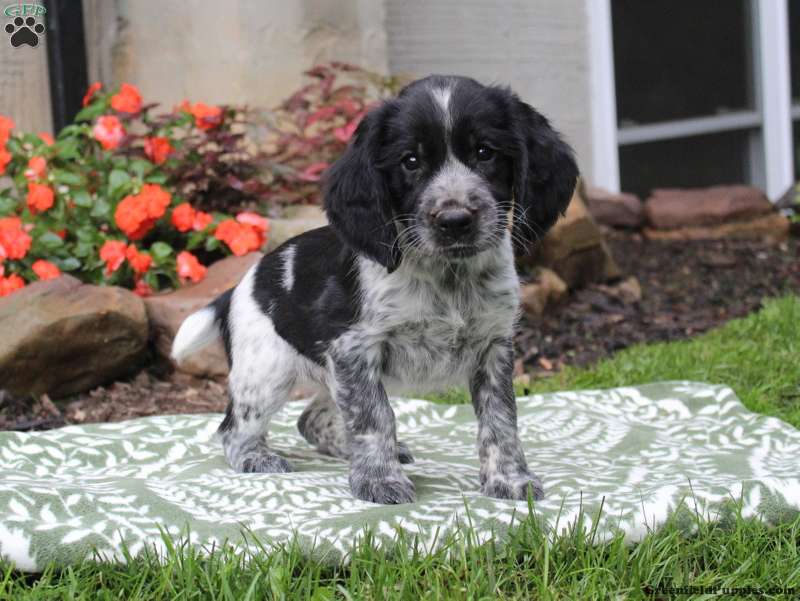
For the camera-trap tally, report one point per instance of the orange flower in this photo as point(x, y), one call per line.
point(157, 149)
point(46, 138)
point(241, 238)
point(37, 168)
point(108, 131)
point(142, 289)
point(205, 116)
point(189, 268)
point(11, 284)
point(90, 92)
point(201, 221)
point(183, 217)
point(127, 100)
point(183, 107)
point(45, 270)
point(40, 197)
point(6, 125)
point(140, 262)
point(254, 219)
point(136, 215)
point(5, 159)
point(113, 254)
point(14, 240)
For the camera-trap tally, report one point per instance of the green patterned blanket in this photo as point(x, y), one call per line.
point(640, 450)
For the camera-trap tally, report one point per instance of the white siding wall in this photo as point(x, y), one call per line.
point(538, 47)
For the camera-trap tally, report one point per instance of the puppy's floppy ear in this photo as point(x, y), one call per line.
point(545, 175)
point(357, 197)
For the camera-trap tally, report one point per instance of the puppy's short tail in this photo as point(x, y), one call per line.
point(196, 331)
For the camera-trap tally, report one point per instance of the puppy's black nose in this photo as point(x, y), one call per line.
point(454, 222)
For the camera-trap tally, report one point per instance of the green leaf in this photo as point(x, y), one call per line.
point(90, 112)
point(140, 167)
point(67, 148)
point(68, 264)
point(66, 177)
point(7, 205)
point(50, 241)
point(83, 249)
point(160, 251)
point(82, 198)
point(211, 243)
point(194, 240)
point(100, 208)
point(156, 178)
point(118, 183)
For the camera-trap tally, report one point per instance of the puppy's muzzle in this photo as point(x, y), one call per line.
point(455, 223)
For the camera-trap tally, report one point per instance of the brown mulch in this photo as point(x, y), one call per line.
point(687, 288)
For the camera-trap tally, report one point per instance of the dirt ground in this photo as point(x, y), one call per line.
point(687, 288)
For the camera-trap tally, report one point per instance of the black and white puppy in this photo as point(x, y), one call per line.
point(412, 287)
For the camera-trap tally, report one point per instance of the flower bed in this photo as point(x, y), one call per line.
point(112, 199)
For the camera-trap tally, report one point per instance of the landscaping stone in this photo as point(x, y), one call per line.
point(615, 210)
point(672, 208)
point(575, 248)
point(546, 289)
point(62, 337)
point(167, 311)
point(772, 227)
point(300, 219)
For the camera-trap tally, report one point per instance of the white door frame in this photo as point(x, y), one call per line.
point(773, 168)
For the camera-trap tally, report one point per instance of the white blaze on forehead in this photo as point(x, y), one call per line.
point(288, 268)
point(442, 98)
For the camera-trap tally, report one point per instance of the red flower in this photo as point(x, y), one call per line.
point(40, 197)
point(45, 270)
point(140, 262)
point(14, 240)
point(11, 284)
point(6, 125)
point(5, 159)
point(90, 92)
point(46, 138)
point(127, 100)
point(157, 149)
point(189, 268)
point(205, 116)
point(37, 168)
point(142, 289)
point(312, 172)
point(113, 254)
point(183, 107)
point(136, 215)
point(108, 131)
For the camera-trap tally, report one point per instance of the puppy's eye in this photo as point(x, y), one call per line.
point(411, 162)
point(484, 152)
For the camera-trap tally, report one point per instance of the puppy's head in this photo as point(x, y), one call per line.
point(437, 169)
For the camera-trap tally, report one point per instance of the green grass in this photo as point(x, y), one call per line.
point(758, 356)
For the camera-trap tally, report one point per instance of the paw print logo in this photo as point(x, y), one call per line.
point(24, 31)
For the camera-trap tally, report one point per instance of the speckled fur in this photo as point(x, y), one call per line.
point(388, 301)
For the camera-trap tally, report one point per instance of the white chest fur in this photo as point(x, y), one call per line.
point(426, 325)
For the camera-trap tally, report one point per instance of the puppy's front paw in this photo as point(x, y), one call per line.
point(516, 486)
point(389, 490)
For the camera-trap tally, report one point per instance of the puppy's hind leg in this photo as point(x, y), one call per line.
point(244, 430)
point(322, 425)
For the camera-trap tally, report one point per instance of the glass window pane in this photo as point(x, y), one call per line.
point(675, 60)
point(794, 48)
point(685, 162)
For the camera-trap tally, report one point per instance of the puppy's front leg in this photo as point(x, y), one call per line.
point(504, 473)
point(375, 471)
